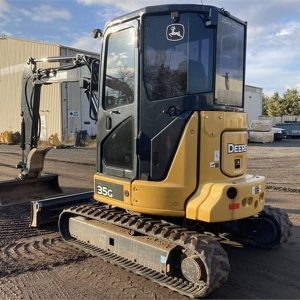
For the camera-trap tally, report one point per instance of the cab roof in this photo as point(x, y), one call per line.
point(168, 8)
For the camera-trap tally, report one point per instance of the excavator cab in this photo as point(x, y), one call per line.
point(171, 61)
point(172, 135)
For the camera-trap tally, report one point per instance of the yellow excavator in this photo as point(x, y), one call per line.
point(172, 151)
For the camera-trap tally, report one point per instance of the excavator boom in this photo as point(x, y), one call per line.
point(31, 183)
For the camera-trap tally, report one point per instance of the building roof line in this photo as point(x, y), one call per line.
point(254, 86)
point(4, 37)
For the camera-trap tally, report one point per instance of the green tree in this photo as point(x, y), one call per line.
point(265, 101)
point(291, 102)
point(288, 104)
point(274, 106)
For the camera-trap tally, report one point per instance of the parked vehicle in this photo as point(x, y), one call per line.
point(279, 133)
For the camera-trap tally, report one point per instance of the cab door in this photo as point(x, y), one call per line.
point(117, 126)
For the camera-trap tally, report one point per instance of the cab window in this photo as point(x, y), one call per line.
point(120, 77)
point(230, 62)
point(178, 58)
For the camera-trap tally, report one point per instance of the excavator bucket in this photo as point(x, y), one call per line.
point(20, 191)
point(35, 163)
point(31, 184)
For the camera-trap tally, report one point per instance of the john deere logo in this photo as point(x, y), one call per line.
point(175, 32)
point(236, 148)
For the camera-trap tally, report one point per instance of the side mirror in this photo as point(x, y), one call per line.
point(96, 33)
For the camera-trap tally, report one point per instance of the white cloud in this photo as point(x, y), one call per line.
point(4, 11)
point(273, 59)
point(273, 38)
point(4, 7)
point(46, 13)
point(86, 42)
point(286, 31)
point(128, 5)
point(108, 13)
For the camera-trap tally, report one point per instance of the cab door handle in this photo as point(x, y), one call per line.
point(114, 112)
point(108, 123)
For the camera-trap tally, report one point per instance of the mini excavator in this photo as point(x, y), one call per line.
point(172, 151)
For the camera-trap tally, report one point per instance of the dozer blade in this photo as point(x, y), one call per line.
point(20, 191)
point(47, 211)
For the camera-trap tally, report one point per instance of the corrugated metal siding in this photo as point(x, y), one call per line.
point(13, 54)
point(51, 109)
point(74, 100)
point(71, 101)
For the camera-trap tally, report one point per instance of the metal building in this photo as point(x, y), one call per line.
point(64, 108)
point(253, 102)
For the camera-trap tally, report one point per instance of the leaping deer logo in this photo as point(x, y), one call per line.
point(175, 32)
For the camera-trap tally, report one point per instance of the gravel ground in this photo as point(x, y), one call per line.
point(37, 264)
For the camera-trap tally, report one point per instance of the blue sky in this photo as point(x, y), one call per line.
point(273, 51)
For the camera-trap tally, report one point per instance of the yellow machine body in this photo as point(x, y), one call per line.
point(207, 179)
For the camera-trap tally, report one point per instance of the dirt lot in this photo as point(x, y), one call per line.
point(36, 264)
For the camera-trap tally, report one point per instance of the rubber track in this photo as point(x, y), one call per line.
point(283, 189)
point(209, 250)
point(284, 226)
point(282, 219)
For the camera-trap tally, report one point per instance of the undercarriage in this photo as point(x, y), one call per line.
point(192, 263)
